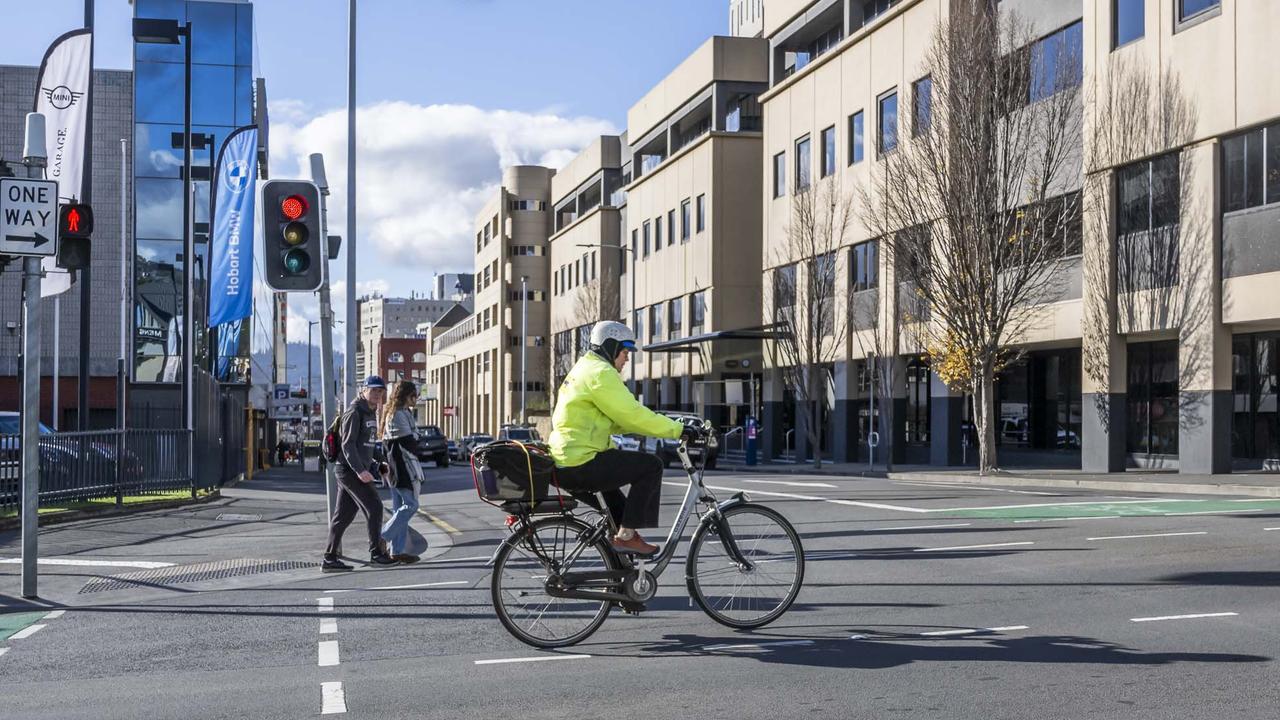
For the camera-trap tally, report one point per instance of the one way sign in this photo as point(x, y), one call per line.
point(28, 216)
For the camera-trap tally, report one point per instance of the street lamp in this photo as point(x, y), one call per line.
point(635, 389)
point(524, 343)
point(171, 32)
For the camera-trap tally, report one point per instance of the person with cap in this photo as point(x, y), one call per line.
point(594, 404)
point(358, 466)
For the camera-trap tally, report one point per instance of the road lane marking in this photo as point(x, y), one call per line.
point(795, 496)
point(401, 587)
point(792, 483)
point(3, 650)
point(1152, 535)
point(749, 646)
point(333, 701)
point(974, 547)
point(970, 631)
point(26, 632)
point(328, 626)
point(967, 486)
point(920, 527)
point(55, 615)
point(1271, 528)
point(79, 562)
point(327, 653)
point(440, 523)
point(456, 560)
point(324, 604)
point(1215, 512)
point(539, 658)
point(1081, 517)
point(1183, 617)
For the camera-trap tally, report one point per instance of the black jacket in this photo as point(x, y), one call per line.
point(359, 436)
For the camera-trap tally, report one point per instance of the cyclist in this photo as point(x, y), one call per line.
point(592, 405)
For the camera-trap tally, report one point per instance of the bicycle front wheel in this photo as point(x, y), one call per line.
point(548, 548)
point(746, 597)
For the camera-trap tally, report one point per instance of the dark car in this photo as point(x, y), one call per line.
point(520, 433)
point(434, 445)
point(471, 442)
point(666, 449)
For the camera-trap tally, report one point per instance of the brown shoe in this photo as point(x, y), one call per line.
point(635, 546)
point(406, 559)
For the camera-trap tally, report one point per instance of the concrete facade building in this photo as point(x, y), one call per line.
point(693, 225)
point(475, 365)
point(382, 318)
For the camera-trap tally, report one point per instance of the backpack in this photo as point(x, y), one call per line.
point(331, 446)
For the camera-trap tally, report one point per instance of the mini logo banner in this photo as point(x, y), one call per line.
point(231, 240)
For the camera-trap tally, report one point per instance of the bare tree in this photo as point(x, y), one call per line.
point(812, 330)
point(880, 344)
point(974, 207)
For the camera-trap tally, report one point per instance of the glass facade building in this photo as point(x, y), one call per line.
point(222, 99)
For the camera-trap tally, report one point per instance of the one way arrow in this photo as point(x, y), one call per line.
point(36, 240)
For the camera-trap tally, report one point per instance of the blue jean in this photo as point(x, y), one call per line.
point(404, 503)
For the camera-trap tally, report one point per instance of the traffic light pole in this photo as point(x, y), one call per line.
point(326, 328)
point(34, 158)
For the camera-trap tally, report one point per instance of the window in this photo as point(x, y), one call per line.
point(594, 264)
point(887, 138)
point(784, 292)
point(686, 212)
point(871, 9)
point(671, 227)
point(697, 312)
point(779, 175)
point(637, 322)
point(702, 212)
point(1057, 63)
point(1153, 398)
point(829, 151)
point(1188, 9)
point(923, 114)
point(646, 238)
point(865, 270)
point(1128, 22)
point(655, 322)
point(657, 234)
point(394, 357)
point(634, 244)
point(822, 289)
point(803, 163)
point(855, 138)
point(1146, 224)
point(1251, 169)
point(675, 317)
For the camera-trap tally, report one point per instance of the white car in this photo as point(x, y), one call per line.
point(625, 442)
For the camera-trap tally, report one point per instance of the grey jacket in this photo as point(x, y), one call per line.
point(360, 448)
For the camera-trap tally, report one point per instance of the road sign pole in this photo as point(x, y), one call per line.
point(326, 327)
point(34, 159)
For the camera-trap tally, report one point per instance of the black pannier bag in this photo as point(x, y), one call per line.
point(510, 470)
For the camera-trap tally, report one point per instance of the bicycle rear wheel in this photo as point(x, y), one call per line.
point(746, 598)
point(520, 571)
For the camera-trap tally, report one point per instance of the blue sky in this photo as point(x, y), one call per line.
point(450, 91)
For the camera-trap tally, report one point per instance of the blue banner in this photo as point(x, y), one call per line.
point(231, 239)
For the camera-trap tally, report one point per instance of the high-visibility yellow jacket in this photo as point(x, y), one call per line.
point(594, 404)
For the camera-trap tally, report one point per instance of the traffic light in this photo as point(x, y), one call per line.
point(292, 238)
point(75, 225)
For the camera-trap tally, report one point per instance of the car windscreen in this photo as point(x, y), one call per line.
point(430, 431)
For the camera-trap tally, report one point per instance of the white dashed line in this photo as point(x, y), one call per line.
point(752, 646)
point(328, 653)
point(55, 615)
point(333, 701)
point(26, 632)
point(328, 626)
point(792, 483)
point(540, 658)
point(1271, 528)
point(970, 631)
point(455, 560)
point(402, 587)
point(142, 564)
point(1152, 535)
point(1183, 617)
point(974, 547)
point(1082, 517)
point(1214, 512)
point(324, 604)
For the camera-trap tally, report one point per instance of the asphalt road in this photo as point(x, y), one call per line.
point(920, 601)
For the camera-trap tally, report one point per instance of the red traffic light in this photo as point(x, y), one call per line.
point(75, 220)
point(294, 207)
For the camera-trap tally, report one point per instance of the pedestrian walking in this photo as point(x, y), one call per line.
point(359, 462)
point(400, 441)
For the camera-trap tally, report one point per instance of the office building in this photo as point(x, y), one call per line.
point(474, 367)
point(453, 286)
point(381, 318)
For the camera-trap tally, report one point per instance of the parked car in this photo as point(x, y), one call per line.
point(521, 433)
point(666, 449)
point(471, 442)
point(452, 446)
point(434, 445)
point(626, 442)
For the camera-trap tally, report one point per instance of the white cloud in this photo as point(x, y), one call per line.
point(424, 172)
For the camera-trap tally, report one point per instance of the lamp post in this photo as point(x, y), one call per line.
point(524, 343)
point(635, 389)
point(171, 32)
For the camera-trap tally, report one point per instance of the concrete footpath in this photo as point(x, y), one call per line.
point(1147, 481)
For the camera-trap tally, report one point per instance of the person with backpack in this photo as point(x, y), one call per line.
point(357, 464)
point(400, 441)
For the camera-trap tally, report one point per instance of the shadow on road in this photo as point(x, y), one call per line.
point(1242, 578)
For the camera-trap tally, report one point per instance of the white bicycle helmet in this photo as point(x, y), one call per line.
point(611, 337)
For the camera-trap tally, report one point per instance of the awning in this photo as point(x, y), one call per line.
point(693, 343)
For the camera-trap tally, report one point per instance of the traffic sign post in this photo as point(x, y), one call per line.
point(28, 216)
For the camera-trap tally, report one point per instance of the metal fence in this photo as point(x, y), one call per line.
point(80, 466)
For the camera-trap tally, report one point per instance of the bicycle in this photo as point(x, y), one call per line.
point(556, 577)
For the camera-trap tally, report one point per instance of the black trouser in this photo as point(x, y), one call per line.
point(612, 469)
point(354, 496)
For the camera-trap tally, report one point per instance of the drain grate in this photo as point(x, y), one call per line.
point(201, 572)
